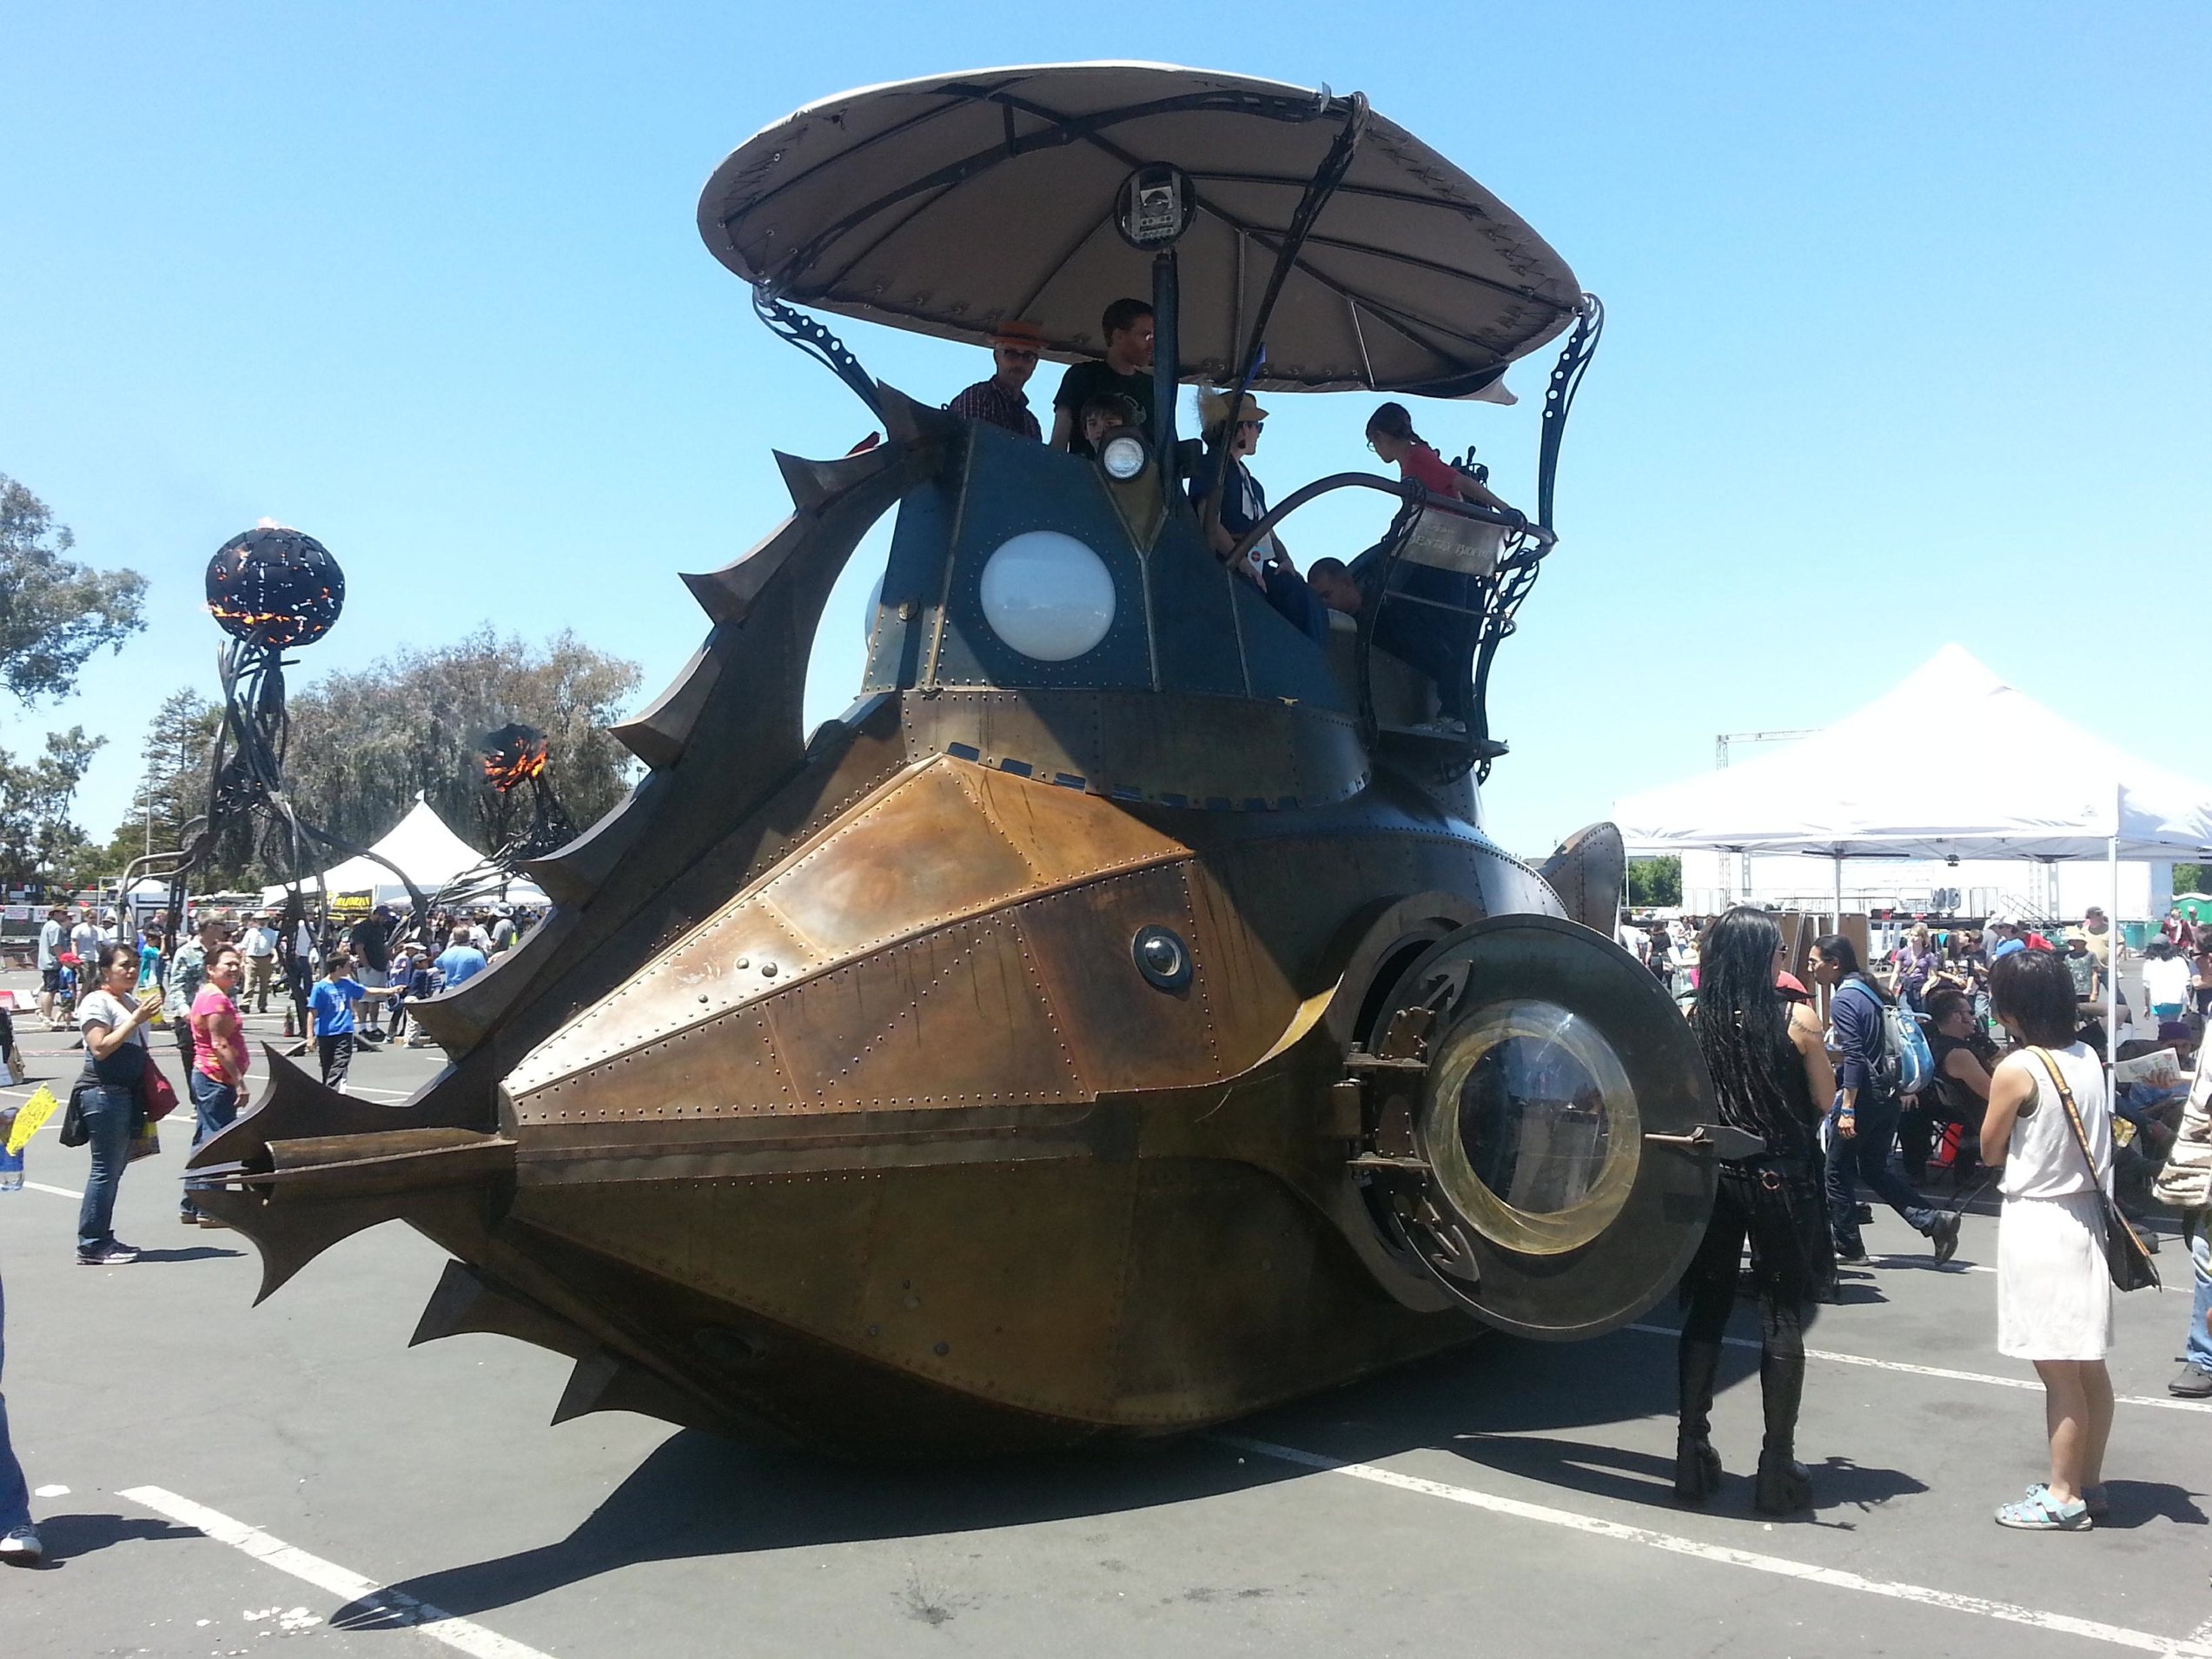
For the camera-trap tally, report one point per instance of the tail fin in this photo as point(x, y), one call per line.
point(310, 1166)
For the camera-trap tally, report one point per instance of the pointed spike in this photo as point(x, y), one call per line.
point(574, 873)
point(604, 1381)
point(813, 482)
point(288, 1237)
point(467, 1301)
point(587, 1384)
point(726, 594)
point(909, 422)
point(657, 735)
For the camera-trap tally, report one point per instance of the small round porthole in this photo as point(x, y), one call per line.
point(1162, 958)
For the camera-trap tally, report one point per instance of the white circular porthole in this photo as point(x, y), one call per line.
point(1048, 595)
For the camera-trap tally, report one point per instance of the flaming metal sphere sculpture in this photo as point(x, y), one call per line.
point(513, 756)
point(271, 588)
point(274, 587)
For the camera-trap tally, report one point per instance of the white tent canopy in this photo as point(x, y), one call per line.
point(2027, 785)
point(422, 844)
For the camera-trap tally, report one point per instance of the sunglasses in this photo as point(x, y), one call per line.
point(1016, 354)
point(1250, 425)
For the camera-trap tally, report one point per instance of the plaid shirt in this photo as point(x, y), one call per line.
point(988, 401)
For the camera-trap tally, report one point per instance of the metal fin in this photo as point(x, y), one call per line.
point(1589, 871)
point(657, 735)
point(290, 1237)
point(465, 1300)
point(574, 873)
point(604, 1381)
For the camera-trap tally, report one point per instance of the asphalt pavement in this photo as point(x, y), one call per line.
point(218, 1478)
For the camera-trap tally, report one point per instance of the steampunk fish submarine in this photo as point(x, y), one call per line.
point(1118, 1019)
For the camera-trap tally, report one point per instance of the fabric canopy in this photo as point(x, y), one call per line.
point(950, 204)
point(2025, 785)
point(421, 844)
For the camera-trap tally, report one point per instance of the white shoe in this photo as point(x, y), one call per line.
point(21, 1548)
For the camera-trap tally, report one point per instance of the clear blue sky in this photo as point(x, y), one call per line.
point(1908, 337)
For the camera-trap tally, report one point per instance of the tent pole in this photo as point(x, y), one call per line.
point(1839, 893)
point(2112, 948)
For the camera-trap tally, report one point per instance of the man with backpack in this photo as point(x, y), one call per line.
point(1876, 1059)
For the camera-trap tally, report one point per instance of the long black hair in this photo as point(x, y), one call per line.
point(1742, 1027)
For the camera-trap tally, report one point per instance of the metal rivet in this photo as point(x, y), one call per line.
point(943, 1347)
point(767, 969)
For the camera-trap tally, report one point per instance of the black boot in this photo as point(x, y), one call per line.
point(1785, 1485)
point(1697, 1465)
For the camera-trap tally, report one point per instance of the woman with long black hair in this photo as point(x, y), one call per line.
point(1769, 1071)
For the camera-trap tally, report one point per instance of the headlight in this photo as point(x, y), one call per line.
point(1123, 454)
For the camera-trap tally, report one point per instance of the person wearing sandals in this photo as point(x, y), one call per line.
point(1769, 1069)
point(2054, 1291)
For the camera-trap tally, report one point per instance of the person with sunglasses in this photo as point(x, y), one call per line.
point(1266, 563)
point(1000, 400)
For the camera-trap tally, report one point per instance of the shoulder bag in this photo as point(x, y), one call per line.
point(2125, 1258)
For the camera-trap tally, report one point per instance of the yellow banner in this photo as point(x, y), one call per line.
point(31, 1117)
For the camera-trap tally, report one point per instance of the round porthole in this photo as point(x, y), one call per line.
point(1048, 595)
point(1532, 1127)
point(1162, 958)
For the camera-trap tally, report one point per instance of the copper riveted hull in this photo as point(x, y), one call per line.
point(830, 1101)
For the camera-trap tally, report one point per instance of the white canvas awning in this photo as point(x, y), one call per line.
point(2024, 784)
point(422, 844)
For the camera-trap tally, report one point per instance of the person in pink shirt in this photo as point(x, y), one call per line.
point(218, 1079)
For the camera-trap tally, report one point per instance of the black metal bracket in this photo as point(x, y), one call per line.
point(1559, 397)
point(799, 329)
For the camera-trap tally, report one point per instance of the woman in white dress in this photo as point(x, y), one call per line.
point(2054, 1294)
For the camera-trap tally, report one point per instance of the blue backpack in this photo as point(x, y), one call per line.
point(1908, 1064)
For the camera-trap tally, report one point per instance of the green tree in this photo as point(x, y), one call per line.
point(2192, 878)
point(54, 613)
point(364, 744)
point(172, 788)
point(1654, 881)
point(38, 841)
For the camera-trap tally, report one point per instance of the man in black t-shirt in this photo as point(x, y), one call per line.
point(1126, 372)
point(371, 939)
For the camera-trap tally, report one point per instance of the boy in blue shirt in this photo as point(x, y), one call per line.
point(331, 1003)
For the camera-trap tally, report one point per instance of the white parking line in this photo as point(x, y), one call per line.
point(2118, 1636)
point(1949, 1376)
point(404, 1609)
point(58, 1192)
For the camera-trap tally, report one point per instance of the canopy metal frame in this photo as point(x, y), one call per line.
point(1057, 128)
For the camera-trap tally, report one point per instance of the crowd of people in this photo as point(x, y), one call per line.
point(335, 984)
point(1098, 396)
point(113, 984)
point(2065, 1142)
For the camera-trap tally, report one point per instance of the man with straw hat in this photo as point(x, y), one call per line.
point(1000, 400)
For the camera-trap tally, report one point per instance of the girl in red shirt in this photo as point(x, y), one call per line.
point(1391, 435)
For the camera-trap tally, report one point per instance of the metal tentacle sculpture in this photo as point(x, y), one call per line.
point(513, 756)
point(271, 589)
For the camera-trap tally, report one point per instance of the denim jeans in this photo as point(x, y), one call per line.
point(2197, 1225)
point(110, 1117)
point(15, 1494)
point(1865, 1157)
point(215, 1105)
